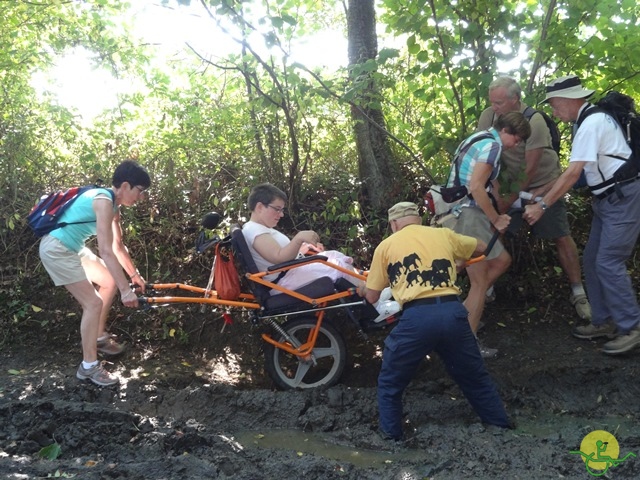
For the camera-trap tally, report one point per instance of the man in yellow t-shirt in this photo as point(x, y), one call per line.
point(419, 264)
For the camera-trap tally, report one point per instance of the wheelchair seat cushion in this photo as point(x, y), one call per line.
point(279, 303)
point(282, 302)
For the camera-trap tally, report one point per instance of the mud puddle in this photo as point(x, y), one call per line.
point(317, 444)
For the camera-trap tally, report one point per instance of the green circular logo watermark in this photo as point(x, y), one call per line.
point(600, 451)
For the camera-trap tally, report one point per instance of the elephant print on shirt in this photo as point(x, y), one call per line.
point(438, 276)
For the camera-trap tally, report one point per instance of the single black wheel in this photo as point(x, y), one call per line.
point(322, 368)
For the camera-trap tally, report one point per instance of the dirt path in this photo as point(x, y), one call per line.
point(205, 410)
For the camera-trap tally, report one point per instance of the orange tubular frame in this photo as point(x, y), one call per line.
point(306, 348)
point(249, 301)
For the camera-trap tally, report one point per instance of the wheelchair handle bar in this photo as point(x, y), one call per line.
point(494, 239)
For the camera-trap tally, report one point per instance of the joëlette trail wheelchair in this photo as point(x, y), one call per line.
point(303, 349)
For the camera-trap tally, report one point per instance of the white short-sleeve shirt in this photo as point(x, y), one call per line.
point(598, 138)
point(251, 230)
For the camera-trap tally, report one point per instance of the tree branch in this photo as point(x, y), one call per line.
point(456, 94)
point(543, 36)
point(371, 121)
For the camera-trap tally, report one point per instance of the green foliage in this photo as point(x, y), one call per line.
point(15, 307)
point(456, 49)
point(50, 452)
point(210, 128)
point(59, 474)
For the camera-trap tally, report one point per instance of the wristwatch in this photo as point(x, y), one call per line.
point(543, 205)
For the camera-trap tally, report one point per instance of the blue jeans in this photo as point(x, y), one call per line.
point(443, 328)
point(614, 232)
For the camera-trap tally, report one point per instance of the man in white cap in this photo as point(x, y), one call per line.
point(599, 148)
point(534, 166)
point(419, 263)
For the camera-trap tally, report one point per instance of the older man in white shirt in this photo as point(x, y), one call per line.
point(599, 148)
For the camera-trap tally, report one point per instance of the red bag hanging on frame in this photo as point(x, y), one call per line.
point(226, 280)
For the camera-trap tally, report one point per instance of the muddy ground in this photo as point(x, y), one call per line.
point(197, 405)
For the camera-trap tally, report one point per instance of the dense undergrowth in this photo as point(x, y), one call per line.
point(164, 252)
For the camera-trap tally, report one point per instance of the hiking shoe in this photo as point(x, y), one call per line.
point(97, 374)
point(110, 347)
point(595, 331)
point(623, 343)
point(487, 352)
point(386, 309)
point(581, 304)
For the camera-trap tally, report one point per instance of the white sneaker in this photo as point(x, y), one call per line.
point(386, 309)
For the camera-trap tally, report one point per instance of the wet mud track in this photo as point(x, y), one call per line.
point(210, 413)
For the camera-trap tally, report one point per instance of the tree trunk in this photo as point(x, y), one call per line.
point(375, 160)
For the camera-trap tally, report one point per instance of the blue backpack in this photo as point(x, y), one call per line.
point(45, 215)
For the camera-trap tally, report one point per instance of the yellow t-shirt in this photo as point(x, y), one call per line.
point(419, 262)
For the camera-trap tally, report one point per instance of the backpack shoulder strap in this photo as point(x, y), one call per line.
point(613, 180)
point(80, 191)
point(597, 109)
point(590, 110)
point(100, 187)
point(456, 163)
point(529, 112)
